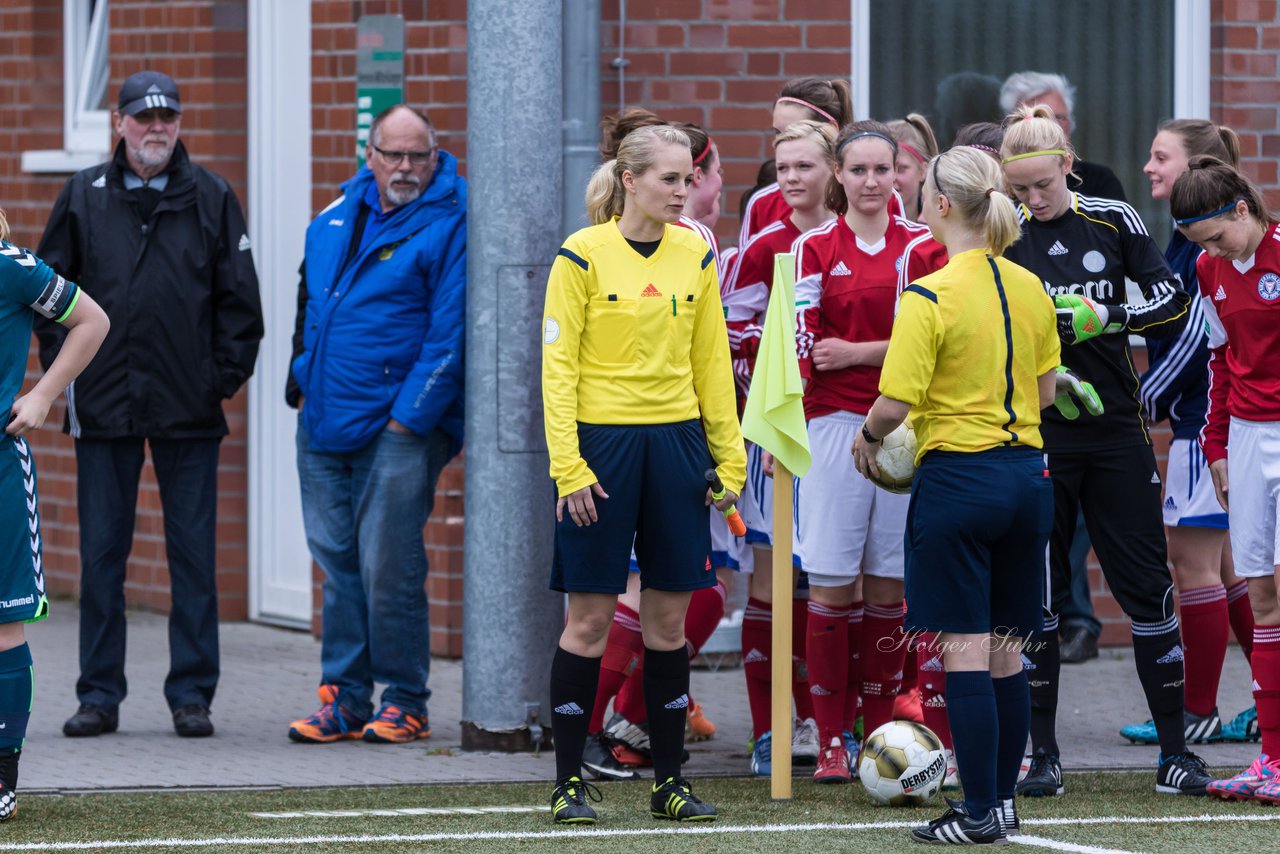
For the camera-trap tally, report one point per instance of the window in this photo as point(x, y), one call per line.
point(86, 118)
point(1133, 64)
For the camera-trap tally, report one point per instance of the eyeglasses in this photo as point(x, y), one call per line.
point(395, 158)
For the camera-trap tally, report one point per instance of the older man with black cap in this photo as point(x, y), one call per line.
point(161, 244)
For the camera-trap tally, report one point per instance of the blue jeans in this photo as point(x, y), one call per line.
point(107, 495)
point(364, 512)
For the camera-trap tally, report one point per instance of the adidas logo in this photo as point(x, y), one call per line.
point(1219, 296)
point(154, 89)
point(935, 701)
point(99, 182)
point(1155, 477)
point(819, 691)
point(569, 709)
point(840, 270)
point(681, 702)
point(244, 243)
point(753, 656)
point(1256, 686)
point(1057, 248)
point(933, 665)
point(1171, 657)
point(897, 677)
point(650, 291)
point(1026, 664)
point(1170, 504)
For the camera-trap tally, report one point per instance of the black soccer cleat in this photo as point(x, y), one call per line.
point(676, 801)
point(569, 801)
point(957, 827)
point(1182, 774)
point(600, 763)
point(9, 785)
point(1044, 778)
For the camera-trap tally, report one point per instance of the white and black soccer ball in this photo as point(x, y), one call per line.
point(896, 459)
point(902, 764)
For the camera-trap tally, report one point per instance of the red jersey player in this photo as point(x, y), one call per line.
point(1239, 279)
point(846, 288)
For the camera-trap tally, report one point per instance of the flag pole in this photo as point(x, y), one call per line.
point(780, 774)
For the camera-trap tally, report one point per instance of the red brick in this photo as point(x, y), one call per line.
point(710, 63)
point(685, 91)
point(1248, 10)
point(1244, 37)
point(659, 9)
point(1251, 91)
point(771, 36)
point(816, 63)
point(1242, 119)
point(800, 10)
point(1237, 64)
point(704, 36)
point(1269, 37)
point(765, 64)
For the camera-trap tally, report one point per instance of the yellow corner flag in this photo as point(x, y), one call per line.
point(774, 415)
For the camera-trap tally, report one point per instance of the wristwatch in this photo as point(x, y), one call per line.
point(866, 434)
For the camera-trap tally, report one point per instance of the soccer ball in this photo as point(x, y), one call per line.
point(896, 459)
point(902, 764)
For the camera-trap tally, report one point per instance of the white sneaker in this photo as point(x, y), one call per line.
point(951, 782)
point(804, 742)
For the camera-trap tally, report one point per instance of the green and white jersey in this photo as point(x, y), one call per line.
point(27, 284)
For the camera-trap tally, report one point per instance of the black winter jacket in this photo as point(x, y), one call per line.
point(181, 292)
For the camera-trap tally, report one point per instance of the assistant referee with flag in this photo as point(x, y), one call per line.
point(639, 402)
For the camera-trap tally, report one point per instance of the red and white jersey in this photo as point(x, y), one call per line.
point(709, 236)
point(768, 206)
point(846, 289)
point(764, 208)
point(923, 256)
point(747, 293)
point(1241, 302)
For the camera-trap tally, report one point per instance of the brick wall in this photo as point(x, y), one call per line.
point(1245, 90)
point(435, 80)
point(720, 64)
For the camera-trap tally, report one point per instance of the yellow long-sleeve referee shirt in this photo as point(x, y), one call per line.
point(969, 343)
point(635, 340)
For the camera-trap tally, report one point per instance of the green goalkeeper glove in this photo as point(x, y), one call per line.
point(1080, 318)
point(1068, 382)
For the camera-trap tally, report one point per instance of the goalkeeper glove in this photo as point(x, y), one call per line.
point(1080, 318)
point(1068, 382)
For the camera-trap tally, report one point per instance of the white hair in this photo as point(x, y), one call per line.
point(1025, 86)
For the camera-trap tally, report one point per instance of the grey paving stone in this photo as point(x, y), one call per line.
point(270, 677)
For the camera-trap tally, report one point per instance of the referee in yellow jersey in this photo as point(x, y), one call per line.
point(973, 355)
point(638, 395)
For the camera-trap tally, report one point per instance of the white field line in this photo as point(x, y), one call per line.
point(1041, 842)
point(709, 830)
point(399, 811)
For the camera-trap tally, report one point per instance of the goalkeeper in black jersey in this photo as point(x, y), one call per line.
point(1084, 248)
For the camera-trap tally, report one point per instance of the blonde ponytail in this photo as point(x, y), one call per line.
point(971, 181)
point(606, 196)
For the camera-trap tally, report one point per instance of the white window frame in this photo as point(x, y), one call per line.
point(86, 130)
point(1191, 68)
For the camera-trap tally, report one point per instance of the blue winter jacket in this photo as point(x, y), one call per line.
point(383, 335)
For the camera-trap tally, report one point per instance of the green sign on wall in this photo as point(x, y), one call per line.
point(379, 71)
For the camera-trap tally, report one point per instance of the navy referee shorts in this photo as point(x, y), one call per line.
point(654, 475)
point(976, 535)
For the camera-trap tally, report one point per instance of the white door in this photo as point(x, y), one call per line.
point(279, 210)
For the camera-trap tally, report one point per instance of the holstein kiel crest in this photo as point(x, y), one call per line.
point(1269, 287)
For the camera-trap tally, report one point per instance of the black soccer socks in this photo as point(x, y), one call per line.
point(666, 699)
point(573, 693)
point(1157, 652)
point(1043, 666)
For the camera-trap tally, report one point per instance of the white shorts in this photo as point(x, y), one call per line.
point(721, 540)
point(1189, 497)
point(756, 502)
point(1253, 475)
point(844, 524)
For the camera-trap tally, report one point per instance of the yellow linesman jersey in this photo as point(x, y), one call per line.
point(968, 346)
point(634, 340)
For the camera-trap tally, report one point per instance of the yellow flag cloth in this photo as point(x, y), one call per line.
point(774, 416)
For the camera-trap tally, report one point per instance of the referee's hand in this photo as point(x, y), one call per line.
point(582, 508)
point(1218, 470)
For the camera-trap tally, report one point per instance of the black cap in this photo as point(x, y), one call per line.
point(148, 90)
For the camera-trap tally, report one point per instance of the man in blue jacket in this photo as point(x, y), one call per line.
point(377, 381)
